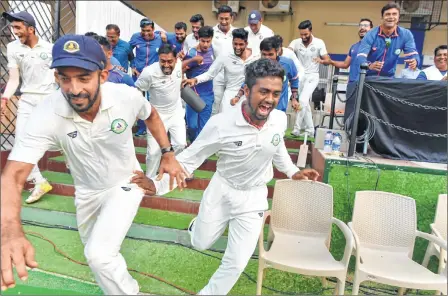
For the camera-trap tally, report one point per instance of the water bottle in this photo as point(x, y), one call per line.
point(328, 141)
point(336, 145)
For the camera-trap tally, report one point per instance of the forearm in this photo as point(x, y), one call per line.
point(157, 129)
point(282, 161)
point(13, 83)
point(340, 65)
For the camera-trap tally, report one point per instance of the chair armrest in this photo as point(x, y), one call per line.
point(357, 243)
point(261, 249)
point(434, 239)
point(349, 242)
point(435, 231)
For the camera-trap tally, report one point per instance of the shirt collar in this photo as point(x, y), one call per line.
point(241, 121)
point(394, 34)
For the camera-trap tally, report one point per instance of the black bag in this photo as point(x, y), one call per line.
point(317, 97)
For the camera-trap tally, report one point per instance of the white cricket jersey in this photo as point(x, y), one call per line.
point(288, 53)
point(232, 66)
point(245, 153)
point(254, 40)
point(189, 43)
point(100, 153)
point(164, 90)
point(34, 66)
point(222, 45)
point(433, 73)
point(306, 55)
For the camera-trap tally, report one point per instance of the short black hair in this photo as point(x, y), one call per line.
point(260, 69)
point(240, 33)
point(279, 40)
point(180, 25)
point(167, 48)
point(269, 43)
point(146, 22)
point(205, 32)
point(197, 18)
point(440, 47)
point(225, 9)
point(306, 25)
point(113, 27)
point(102, 41)
point(366, 20)
point(390, 6)
point(90, 34)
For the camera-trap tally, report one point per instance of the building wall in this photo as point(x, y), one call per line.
point(337, 38)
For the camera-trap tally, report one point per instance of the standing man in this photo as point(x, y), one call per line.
point(122, 51)
point(163, 80)
point(257, 31)
point(248, 143)
point(29, 59)
point(438, 71)
point(192, 40)
point(89, 119)
point(382, 45)
point(309, 50)
point(115, 75)
point(146, 45)
point(232, 65)
point(222, 44)
point(196, 62)
point(176, 39)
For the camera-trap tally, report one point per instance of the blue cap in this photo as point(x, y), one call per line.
point(78, 51)
point(20, 16)
point(254, 17)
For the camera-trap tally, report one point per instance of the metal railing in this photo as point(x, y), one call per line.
point(53, 19)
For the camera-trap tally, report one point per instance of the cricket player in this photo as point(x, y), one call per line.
point(223, 46)
point(146, 44)
point(309, 50)
point(121, 49)
point(90, 120)
point(439, 70)
point(192, 39)
point(163, 80)
point(247, 145)
point(232, 65)
point(29, 59)
point(198, 61)
point(176, 39)
point(257, 31)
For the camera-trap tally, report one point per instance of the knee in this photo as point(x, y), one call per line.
point(96, 257)
point(200, 245)
point(236, 265)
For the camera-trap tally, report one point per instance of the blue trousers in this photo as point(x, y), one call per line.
point(196, 121)
point(140, 123)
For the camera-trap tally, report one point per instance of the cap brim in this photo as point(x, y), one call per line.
point(253, 22)
point(74, 62)
point(10, 17)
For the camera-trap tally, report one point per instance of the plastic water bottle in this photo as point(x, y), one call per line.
point(336, 145)
point(328, 142)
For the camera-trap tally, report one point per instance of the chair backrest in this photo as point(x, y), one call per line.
point(440, 221)
point(302, 206)
point(386, 219)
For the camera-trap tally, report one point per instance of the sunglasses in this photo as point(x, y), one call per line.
point(364, 26)
point(145, 23)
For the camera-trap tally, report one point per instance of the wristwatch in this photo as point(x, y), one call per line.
point(166, 150)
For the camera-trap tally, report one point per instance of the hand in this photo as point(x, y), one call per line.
point(296, 105)
point(144, 183)
point(163, 36)
point(306, 174)
point(444, 78)
point(318, 60)
point(181, 55)
point(16, 251)
point(198, 59)
point(234, 101)
point(171, 166)
point(135, 72)
point(377, 66)
point(412, 63)
point(3, 109)
point(190, 82)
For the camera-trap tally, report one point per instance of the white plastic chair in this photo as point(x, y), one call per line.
point(439, 229)
point(300, 231)
point(385, 227)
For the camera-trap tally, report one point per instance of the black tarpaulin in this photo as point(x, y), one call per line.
point(416, 105)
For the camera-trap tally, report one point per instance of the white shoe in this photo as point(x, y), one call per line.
point(39, 191)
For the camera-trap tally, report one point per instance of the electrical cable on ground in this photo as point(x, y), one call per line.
point(362, 288)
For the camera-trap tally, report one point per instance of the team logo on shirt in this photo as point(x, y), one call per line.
point(118, 126)
point(73, 134)
point(398, 51)
point(178, 74)
point(313, 49)
point(157, 49)
point(238, 143)
point(275, 139)
point(71, 46)
point(261, 37)
point(43, 55)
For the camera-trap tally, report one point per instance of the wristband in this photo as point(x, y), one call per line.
point(166, 150)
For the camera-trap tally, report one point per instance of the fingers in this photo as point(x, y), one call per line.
point(6, 266)
point(18, 258)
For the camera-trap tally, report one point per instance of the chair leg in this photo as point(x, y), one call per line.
point(401, 291)
point(260, 277)
point(324, 282)
point(442, 258)
point(428, 254)
point(356, 282)
point(340, 287)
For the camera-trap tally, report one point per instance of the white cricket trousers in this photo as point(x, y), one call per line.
point(26, 105)
point(241, 210)
point(174, 124)
point(304, 118)
point(218, 91)
point(104, 218)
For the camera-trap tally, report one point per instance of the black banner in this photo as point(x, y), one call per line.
point(416, 105)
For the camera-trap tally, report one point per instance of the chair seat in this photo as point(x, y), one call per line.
point(396, 268)
point(305, 254)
